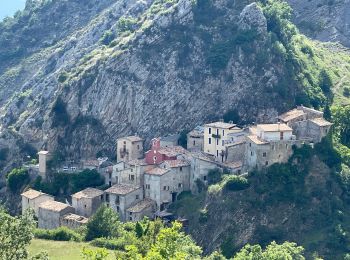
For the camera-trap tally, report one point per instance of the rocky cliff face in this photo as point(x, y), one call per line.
point(80, 74)
point(323, 20)
point(145, 67)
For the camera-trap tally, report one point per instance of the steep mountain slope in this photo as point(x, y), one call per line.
point(104, 70)
point(323, 20)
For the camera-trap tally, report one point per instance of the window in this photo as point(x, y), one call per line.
point(168, 187)
point(130, 213)
point(217, 131)
point(223, 132)
point(138, 147)
point(110, 184)
point(281, 135)
point(223, 143)
point(205, 178)
point(137, 197)
point(194, 142)
point(180, 185)
point(148, 186)
point(209, 130)
point(154, 158)
point(250, 144)
point(124, 142)
point(264, 154)
point(117, 200)
point(164, 188)
point(217, 152)
point(286, 146)
point(101, 197)
point(107, 197)
point(209, 140)
point(131, 169)
point(217, 141)
point(85, 206)
point(110, 175)
point(117, 208)
point(180, 169)
point(266, 163)
point(131, 177)
point(130, 218)
point(251, 153)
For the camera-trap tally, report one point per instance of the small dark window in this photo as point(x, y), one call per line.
point(266, 163)
point(264, 154)
point(204, 178)
point(250, 144)
point(194, 142)
point(180, 169)
point(209, 140)
point(251, 153)
point(164, 188)
point(180, 185)
point(209, 130)
point(137, 197)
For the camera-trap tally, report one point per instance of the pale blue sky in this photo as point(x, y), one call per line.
point(9, 7)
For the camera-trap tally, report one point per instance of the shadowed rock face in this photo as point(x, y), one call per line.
point(323, 20)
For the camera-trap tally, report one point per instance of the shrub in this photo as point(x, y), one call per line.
point(63, 77)
point(86, 178)
point(126, 24)
point(236, 183)
point(325, 81)
point(108, 243)
point(58, 234)
point(346, 92)
point(17, 178)
point(107, 37)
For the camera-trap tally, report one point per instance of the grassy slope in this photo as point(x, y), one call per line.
point(60, 250)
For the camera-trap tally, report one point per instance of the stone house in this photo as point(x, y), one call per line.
point(170, 140)
point(158, 154)
point(158, 186)
point(87, 201)
point(268, 144)
point(122, 196)
point(180, 171)
point(217, 136)
point(32, 199)
point(51, 212)
point(201, 163)
point(143, 208)
point(308, 124)
point(129, 148)
point(73, 221)
point(111, 177)
point(195, 139)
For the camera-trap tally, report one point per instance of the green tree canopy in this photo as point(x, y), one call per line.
point(17, 178)
point(104, 223)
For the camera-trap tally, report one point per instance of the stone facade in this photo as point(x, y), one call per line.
point(44, 156)
point(122, 196)
point(129, 148)
point(51, 212)
point(32, 199)
point(201, 164)
point(195, 139)
point(144, 208)
point(217, 136)
point(86, 202)
point(170, 140)
point(73, 221)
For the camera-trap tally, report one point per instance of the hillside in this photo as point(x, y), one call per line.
point(74, 83)
point(302, 201)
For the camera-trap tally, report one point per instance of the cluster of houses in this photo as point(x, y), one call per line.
point(145, 183)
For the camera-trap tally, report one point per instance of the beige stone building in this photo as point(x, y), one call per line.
point(129, 148)
point(44, 157)
point(73, 221)
point(122, 196)
point(195, 139)
point(143, 208)
point(307, 124)
point(216, 136)
point(268, 144)
point(180, 171)
point(32, 199)
point(51, 212)
point(87, 201)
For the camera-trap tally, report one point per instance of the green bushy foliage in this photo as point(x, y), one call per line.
point(86, 178)
point(58, 234)
point(236, 183)
point(214, 176)
point(110, 243)
point(107, 37)
point(17, 178)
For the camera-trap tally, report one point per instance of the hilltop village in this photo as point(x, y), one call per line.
point(146, 183)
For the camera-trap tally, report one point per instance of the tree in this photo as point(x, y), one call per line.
point(274, 251)
point(15, 235)
point(325, 81)
point(17, 178)
point(86, 178)
point(104, 223)
point(172, 243)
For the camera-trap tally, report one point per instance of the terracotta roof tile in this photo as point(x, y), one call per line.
point(32, 194)
point(54, 206)
point(122, 189)
point(321, 122)
point(157, 171)
point(141, 205)
point(88, 193)
point(274, 127)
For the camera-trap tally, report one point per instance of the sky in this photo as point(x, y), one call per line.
point(9, 7)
